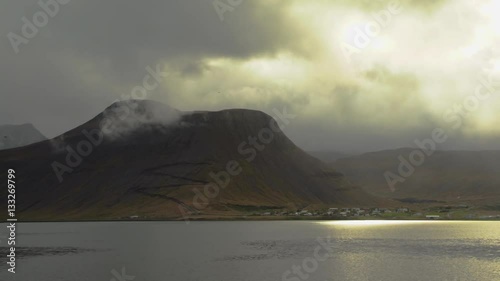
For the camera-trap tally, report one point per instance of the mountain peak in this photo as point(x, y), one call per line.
point(12, 136)
point(141, 104)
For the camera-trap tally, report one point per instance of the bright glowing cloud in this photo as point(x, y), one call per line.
point(380, 72)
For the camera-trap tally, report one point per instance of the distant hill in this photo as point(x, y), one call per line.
point(329, 156)
point(451, 176)
point(156, 161)
point(12, 136)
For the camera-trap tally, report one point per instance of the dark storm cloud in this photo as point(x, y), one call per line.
point(127, 32)
point(116, 40)
point(265, 54)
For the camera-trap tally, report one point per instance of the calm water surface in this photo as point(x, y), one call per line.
point(257, 251)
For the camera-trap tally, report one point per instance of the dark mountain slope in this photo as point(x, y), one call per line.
point(329, 157)
point(155, 160)
point(452, 176)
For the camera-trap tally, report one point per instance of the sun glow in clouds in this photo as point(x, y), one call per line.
point(490, 10)
point(281, 67)
point(414, 65)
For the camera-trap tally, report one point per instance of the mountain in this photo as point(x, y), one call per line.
point(12, 136)
point(146, 159)
point(450, 176)
point(329, 156)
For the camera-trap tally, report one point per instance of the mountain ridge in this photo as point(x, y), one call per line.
point(159, 169)
point(447, 175)
point(13, 136)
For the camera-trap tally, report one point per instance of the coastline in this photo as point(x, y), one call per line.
point(261, 219)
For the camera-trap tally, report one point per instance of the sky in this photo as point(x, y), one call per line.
point(360, 75)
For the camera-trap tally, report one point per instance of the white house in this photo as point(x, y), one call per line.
point(432, 217)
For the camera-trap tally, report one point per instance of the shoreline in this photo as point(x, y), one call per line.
point(242, 219)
